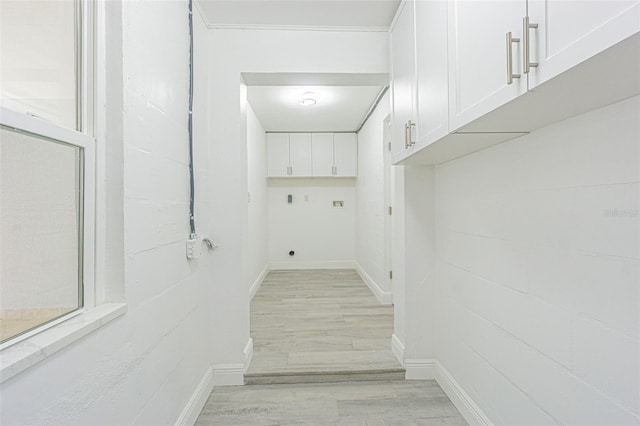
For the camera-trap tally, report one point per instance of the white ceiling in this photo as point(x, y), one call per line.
point(345, 99)
point(372, 14)
point(339, 108)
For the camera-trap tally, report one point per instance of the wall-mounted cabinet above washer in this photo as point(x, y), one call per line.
point(288, 154)
point(312, 154)
point(334, 154)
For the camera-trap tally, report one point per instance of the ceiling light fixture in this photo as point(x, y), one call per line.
point(308, 99)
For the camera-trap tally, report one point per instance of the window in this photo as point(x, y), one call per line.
point(40, 59)
point(47, 167)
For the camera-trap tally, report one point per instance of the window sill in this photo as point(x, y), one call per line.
point(27, 353)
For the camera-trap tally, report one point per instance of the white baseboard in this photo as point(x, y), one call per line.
point(461, 399)
point(248, 354)
point(329, 264)
point(397, 348)
point(258, 282)
point(384, 297)
point(196, 403)
point(228, 375)
point(420, 369)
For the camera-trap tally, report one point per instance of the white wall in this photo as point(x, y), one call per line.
point(370, 205)
point(538, 264)
point(235, 51)
point(322, 236)
point(257, 256)
point(143, 367)
point(414, 278)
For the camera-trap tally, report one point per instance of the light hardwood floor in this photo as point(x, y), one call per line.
point(325, 326)
point(395, 402)
point(309, 324)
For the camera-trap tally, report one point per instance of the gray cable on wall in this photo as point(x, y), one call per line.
point(192, 221)
point(373, 107)
point(195, 242)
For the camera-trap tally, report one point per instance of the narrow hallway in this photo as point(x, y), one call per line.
point(322, 356)
point(320, 325)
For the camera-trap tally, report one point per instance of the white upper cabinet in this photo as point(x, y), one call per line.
point(277, 154)
point(335, 154)
point(564, 33)
point(467, 74)
point(312, 154)
point(288, 154)
point(431, 64)
point(322, 153)
point(300, 154)
point(403, 79)
point(485, 71)
point(346, 154)
point(420, 89)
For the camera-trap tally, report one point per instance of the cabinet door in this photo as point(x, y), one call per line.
point(322, 154)
point(431, 64)
point(300, 154)
point(571, 31)
point(346, 154)
point(277, 154)
point(478, 57)
point(403, 75)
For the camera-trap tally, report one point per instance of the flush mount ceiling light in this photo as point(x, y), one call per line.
point(308, 99)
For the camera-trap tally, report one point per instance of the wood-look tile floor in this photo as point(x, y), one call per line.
point(319, 322)
point(393, 402)
point(325, 326)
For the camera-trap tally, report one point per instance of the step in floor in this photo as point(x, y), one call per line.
point(318, 326)
point(332, 376)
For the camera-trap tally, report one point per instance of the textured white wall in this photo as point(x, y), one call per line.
point(538, 265)
point(143, 367)
point(310, 225)
point(370, 207)
point(414, 278)
point(257, 256)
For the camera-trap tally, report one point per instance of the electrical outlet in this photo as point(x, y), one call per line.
point(194, 246)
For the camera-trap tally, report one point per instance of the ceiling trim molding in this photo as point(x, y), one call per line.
point(315, 79)
point(310, 131)
point(295, 28)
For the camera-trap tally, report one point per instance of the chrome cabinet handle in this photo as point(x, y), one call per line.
point(408, 140)
point(526, 41)
point(406, 133)
point(510, 41)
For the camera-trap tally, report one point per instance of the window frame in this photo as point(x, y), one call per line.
point(32, 125)
point(23, 351)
